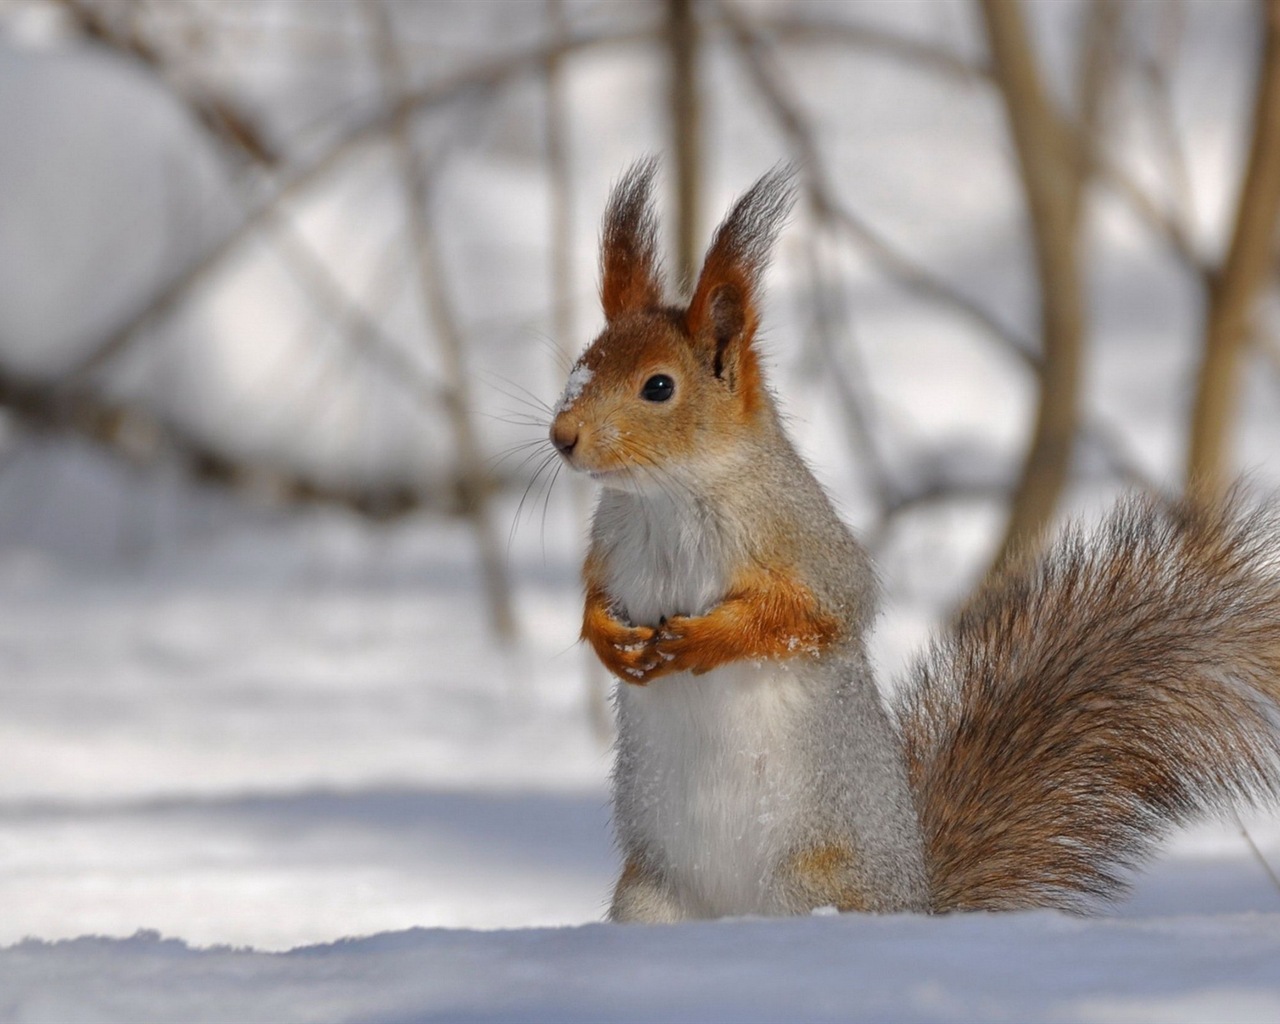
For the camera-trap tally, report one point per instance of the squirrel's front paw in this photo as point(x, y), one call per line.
point(676, 650)
point(623, 649)
point(632, 656)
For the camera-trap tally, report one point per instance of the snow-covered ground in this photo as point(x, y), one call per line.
point(1033, 967)
point(294, 733)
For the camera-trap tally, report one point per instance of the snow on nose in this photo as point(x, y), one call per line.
point(579, 378)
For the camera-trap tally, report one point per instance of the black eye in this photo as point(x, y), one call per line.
point(658, 388)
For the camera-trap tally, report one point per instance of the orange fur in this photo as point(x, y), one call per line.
point(631, 278)
point(724, 310)
point(626, 651)
point(824, 875)
point(612, 427)
point(766, 615)
point(640, 891)
point(722, 320)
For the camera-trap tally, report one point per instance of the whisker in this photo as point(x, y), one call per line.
point(498, 458)
point(524, 497)
point(520, 394)
point(529, 458)
point(516, 419)
point(643, 458)
point(546, 504)
point(561, 359)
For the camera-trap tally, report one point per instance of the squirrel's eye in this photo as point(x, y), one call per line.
point(658, 388)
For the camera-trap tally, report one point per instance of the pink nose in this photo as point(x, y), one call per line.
point(564, 435)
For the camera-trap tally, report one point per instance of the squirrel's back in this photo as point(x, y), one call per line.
point(1082, 705)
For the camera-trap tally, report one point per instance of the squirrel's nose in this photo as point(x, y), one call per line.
point(564, 435)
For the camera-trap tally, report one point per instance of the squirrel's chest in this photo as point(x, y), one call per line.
point(707, 781)
point(663, 558)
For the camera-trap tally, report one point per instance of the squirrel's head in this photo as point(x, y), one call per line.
point(667, 388)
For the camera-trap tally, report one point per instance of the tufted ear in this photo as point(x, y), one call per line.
point(724, 311)
point(630, 270)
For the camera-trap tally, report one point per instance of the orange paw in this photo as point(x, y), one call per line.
point(625, 650)
point(638, 654)
point(677, 648)
point(641, 655)
point(630, 655)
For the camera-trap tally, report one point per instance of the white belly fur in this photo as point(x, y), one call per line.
point(712, 786)
point(708, 787)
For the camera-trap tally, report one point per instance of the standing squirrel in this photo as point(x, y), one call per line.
point(1079, 707)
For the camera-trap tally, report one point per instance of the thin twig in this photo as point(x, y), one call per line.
point(224, 119)
point(438, 304)
point(795, 30)
point(559, 175)
point(561, 192)
point(297, 179)
point(757, 58)
point(1167, 226)
point(1267, 869)
point(1155, 74)
point(873, 41)
point(854, 401)
point(357, 324)
point(1097, 73)
point(320, 286)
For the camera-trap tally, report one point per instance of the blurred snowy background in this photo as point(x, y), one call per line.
point(288, 610)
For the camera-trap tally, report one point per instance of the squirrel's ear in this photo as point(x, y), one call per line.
point(724, 311)
point(630, 271)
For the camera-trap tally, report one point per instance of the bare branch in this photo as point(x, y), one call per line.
point(1097, 72)
point(797, 30)
point(854, 401)
point(224, 119)
point(357, 325)
point(297, 179)
point(438, 304)
point(138, 436)
point(322, 289)
point(561, 185)
point(873, 41)
point(1167, 225)
point(685, 101)
point(1231, 300)
point(930, 493)
point(559, 173)
point(755, 53)
point(1155, 73)
point(1050, 172)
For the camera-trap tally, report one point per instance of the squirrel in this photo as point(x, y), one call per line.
point(1081, 704)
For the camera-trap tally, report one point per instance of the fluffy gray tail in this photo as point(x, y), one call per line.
point(1082, 705)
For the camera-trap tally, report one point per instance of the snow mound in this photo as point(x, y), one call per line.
point(1030, 967)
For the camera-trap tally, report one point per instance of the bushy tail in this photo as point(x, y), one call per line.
point(1127, 682)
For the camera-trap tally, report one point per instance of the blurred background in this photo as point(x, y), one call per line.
point(288, 600)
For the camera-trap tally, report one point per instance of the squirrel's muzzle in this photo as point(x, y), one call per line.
point(564, 435)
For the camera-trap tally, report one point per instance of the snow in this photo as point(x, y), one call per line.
point(253, 748)
point(269, 713)
point(259, 767)
point(1026, 967)
point(579, 377)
